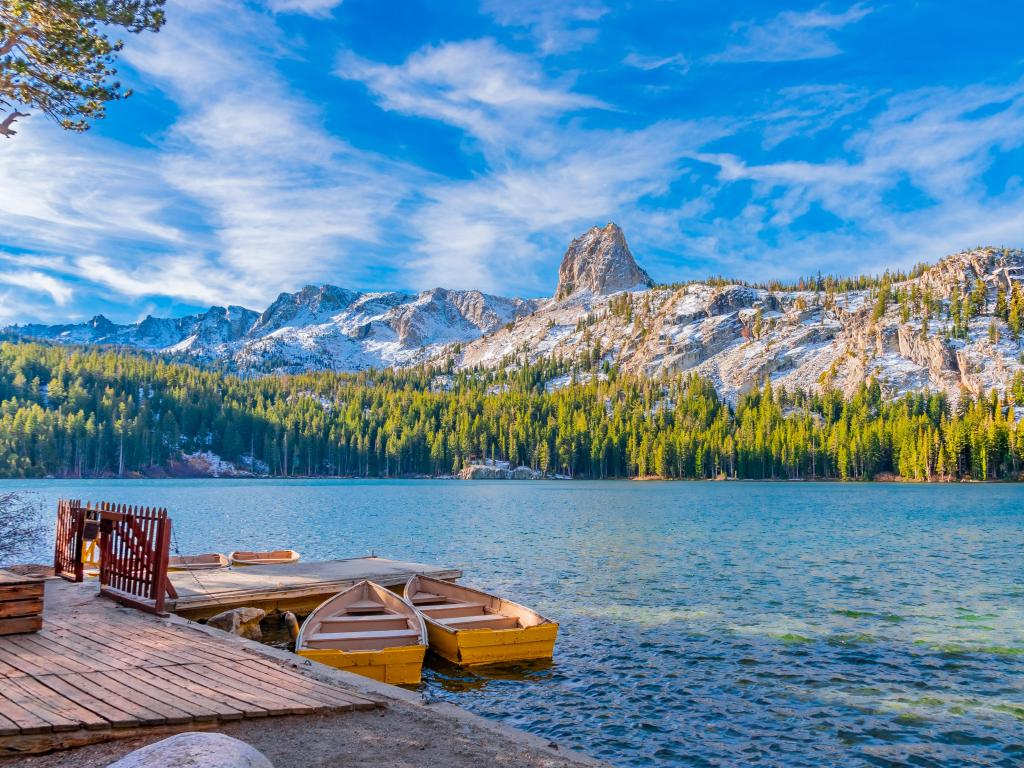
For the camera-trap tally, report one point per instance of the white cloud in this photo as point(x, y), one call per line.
point(806, 110)
point(649, 63)
point(557, 27)
point(39, 282)
point(938, 142)
point(790, 36)
point(495, 232)
point(546, 180)
point(476, 85)
point(316, 8)
point(269, 197)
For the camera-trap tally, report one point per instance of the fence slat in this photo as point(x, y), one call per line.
point(134, 550)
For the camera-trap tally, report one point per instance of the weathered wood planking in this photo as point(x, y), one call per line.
point(21, 604)
point(103, 672)
point(298, 587)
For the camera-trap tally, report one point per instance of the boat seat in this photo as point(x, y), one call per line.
point(363, 641)
point(374, 621)
point(367, 618)
point(365, 606)
point(487, 621)
point(368, 635)
point(426, 598)
point(451, 610)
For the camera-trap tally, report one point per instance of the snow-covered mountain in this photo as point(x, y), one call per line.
point(739, 336)
point(318, 327)
point(607, 307)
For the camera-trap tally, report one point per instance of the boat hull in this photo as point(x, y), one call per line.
point(280, 557)
point(468, 647)
point(402, 665)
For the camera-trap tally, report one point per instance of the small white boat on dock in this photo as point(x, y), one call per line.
point(273, 557)
point(202, 562)
point(369, 630)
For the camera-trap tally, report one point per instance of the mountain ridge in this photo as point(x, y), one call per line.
point(954, 326)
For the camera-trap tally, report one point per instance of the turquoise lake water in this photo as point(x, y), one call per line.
point(703, 624)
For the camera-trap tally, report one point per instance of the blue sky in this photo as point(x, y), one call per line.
point(405, 145)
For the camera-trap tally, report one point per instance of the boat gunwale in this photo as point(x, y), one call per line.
point(233, 558)
point(455, 630)
point(415, 616)
point(182, 564)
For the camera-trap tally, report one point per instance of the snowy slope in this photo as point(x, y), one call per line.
point(317, 327)
point(735, 335)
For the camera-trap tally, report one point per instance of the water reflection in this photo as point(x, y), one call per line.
point(441, 674)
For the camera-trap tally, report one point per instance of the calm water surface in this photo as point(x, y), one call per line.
point(702, 624)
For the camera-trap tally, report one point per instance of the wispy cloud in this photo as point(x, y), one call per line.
point(940, 142)
point(496, 230)
point(556, 27)
point(39, 282)
point(648, 63)
point(790, 36)
point(476, 85)
point(316, 8)
point(545, 179)
point(805, 111)
point(271, 198)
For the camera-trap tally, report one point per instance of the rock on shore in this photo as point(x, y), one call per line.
point(498, 471)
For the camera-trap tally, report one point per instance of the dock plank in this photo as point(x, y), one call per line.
point(202, 688)
point(222, 588)
point(327, 694)
point(98, 668)
point(104, 706)
point(24, 717)
point(160, 710)
point(66, 708)
point(201, 702)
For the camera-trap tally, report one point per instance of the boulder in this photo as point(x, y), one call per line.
point(491, 472)
point(195, 750)
point(244, 622)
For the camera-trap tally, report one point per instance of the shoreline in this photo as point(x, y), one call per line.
point(408, 729)
point(560, 479)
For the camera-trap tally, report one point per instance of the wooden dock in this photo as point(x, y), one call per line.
point(98, 671)
point(299, 587)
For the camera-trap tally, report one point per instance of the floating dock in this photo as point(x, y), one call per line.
point(95, 672)
point(299, 587)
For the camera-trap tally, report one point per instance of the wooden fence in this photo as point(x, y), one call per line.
point(70, 539)
point(134, 547)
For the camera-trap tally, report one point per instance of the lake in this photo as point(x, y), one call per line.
point(702, 624)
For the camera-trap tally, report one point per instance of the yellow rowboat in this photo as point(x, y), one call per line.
point(369, 630)
point(275, 557)
point(197, 562)
point(467, 626)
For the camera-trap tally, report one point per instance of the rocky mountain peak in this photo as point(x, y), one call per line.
point(599, 262)
point(101, 324)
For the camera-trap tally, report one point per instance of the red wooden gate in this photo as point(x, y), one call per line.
point(135, 546)
point(134, 550)
point(67, 554)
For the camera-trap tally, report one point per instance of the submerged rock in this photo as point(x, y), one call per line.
point(195, 750)
point(244, 622)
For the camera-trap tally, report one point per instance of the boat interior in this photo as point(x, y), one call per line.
point(197, 562)
point(265, 558)
point(364, 618)
point(458, 607)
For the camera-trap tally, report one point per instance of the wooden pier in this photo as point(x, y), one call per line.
point(97, 671)
point(299, 587)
